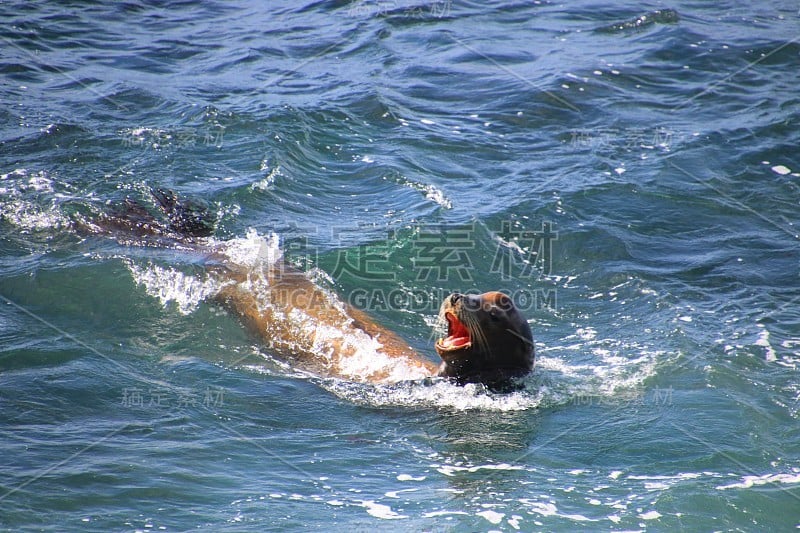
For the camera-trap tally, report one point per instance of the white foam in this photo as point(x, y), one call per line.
point(434, 514)
point(609, 378)
point(379, 510)
point(359, 355)
point(146, 136)
point(782, 170)
point(408, 477)
point(431, 192)
point(615, 372)
point(550, 509)
point(395, 494)
point(438, 393)
point(39, 182)
point(451, 470)
point(763, 341)
point(173, 286)
point(654, 483)
point(28, 216)
point(251, 251)
point(492, 516)
point(268, 180)
point(753, 481)
point(435, 194)
point(15, 206)
point(17, 172)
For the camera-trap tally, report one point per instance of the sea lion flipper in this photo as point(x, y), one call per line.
point(132, 220)
point(188, 217)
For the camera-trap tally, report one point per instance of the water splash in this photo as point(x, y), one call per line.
point(251, 251)
point(22, 201)
point(431, 393)
point(431, 192)
point(171, 286)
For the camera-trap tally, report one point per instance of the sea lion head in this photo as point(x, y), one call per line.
point(488, 340)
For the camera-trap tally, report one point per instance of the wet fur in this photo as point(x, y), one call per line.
point(501, 344)
point(494, 358)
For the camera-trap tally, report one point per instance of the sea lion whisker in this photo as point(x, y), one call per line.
point(477, 336)
point(500, 345)
point(520, 337)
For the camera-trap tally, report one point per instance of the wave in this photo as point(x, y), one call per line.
point(554, 382)
point(613, 375)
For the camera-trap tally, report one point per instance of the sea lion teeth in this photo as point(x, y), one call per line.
point(488, 340)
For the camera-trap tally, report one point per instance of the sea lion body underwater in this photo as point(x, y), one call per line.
point(487, 340)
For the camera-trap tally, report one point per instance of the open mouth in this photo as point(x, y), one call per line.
point(457, 335)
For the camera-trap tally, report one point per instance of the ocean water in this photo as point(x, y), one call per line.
point(630, 177)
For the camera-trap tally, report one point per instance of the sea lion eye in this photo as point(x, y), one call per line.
point(505, 303)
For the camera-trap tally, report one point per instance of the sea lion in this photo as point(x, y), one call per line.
point(302, 323)
point(488, 340)
point(313, 329)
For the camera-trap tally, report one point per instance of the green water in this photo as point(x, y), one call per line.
point(661, 158)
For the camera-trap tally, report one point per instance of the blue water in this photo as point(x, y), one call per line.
point(665, 306)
